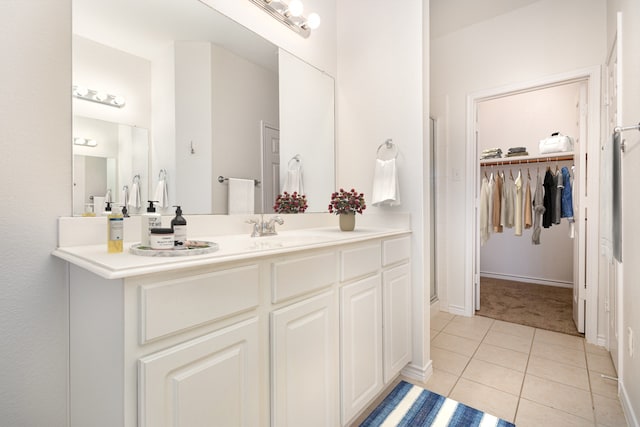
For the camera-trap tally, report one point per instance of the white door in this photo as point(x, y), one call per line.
point(270, 166)
point(361, 344)
point(211, 380)
point(608, 262)
point(580, 214)
point(304, 360)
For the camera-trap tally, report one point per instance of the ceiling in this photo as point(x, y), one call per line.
point(448, 16)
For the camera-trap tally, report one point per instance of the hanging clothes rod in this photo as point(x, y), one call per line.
point(222, 179)
point(525, 161)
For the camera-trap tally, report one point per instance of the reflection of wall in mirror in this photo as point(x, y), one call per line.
point(307, 127)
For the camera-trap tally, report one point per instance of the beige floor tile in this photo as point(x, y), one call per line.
point(473, 328)
point(464, 346)
point(440, 320)
point(560, 372)
point(608, 412)
point(448, 361)
point(495, 376)
point(441, 382)
point(502, 356)
point(485, 398)
point(595, 349)
point(513, 329)
point(559, 354)
point(603, 386)
point(564, 340)
point(600, 363)
point(512, 342)
point(532, 414)
point(559, 396)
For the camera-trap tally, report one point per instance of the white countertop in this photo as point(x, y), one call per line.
point(96, 259)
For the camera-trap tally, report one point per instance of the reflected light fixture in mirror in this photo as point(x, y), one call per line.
point(100, 97)
point(290, 15)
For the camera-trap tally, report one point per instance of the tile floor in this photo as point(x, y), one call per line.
point(529, 376)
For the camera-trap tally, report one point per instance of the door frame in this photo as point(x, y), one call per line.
point(592, 76)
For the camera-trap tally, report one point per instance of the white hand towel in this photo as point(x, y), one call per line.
point(386, 188)
point(241, 196)
point(162, 194)
point(293, 181)
point(135, 199)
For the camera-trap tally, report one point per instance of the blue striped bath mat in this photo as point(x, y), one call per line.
point(411, 406)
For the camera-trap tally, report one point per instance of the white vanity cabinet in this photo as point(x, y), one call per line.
point(375, 320)
point(307, 336)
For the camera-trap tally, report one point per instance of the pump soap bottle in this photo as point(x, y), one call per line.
point(149, 220)
point(115, 230)
point(179, 227)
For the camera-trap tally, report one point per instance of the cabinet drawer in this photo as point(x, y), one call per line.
point(359, 262)
point(172, 306)
point(302, 275)
point(396, 250)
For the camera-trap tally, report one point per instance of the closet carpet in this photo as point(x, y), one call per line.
point(539, 306)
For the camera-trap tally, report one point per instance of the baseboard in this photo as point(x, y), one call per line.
point(627, 408)
point(526, 279)
point(458, 310)
point(417, 373)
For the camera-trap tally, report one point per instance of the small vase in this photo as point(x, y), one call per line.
point(347, 221)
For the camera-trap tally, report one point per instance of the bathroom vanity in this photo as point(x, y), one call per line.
point(301, 329)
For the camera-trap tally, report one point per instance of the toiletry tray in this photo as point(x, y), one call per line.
point(191, 247)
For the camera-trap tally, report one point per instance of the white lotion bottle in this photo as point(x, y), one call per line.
point(150, 219)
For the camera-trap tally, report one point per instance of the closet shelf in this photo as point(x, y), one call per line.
point(554, 157)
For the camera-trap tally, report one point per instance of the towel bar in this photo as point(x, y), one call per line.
point(222, 179)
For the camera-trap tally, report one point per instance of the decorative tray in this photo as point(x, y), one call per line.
point(191, 247)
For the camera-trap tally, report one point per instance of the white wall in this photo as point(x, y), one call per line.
point(545, 38)
point(35, 171)
point(522, 120)
point(381, 95)
point(630, 38)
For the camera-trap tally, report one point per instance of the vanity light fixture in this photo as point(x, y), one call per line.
point(85, 142)
point(100, 97)
point(290, 14)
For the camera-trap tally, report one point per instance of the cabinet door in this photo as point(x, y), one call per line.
point(209, 381)
point(396, 309)
point(304, 357)
point(361, 345)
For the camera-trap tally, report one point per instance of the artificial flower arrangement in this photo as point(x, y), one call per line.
point(347, 202)
point(290, 203)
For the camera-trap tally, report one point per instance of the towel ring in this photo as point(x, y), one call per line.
point(388, 145)
point(295, 158)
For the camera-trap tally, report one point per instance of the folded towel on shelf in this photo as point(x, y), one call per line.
point(241, 196)
point(386, 188)
point(517, 154)
point(517, 149)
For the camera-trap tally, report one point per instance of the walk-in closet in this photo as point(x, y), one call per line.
point(530, 261)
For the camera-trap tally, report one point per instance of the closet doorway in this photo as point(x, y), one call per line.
point(557, 268)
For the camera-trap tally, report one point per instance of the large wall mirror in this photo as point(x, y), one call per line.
point(195, 103)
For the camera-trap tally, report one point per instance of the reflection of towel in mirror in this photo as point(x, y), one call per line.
point(386, 188)
point(241, 196)
point(293, 180)
point(135, 199)
point(162, 194)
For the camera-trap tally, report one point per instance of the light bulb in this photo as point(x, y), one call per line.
point(296, 7)
point(313, 21)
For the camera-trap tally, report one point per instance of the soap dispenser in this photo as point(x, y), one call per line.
point(150, 219)
point(179, 227)
point(115, 230)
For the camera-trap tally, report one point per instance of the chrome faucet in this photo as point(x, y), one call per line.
point(265, 228)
